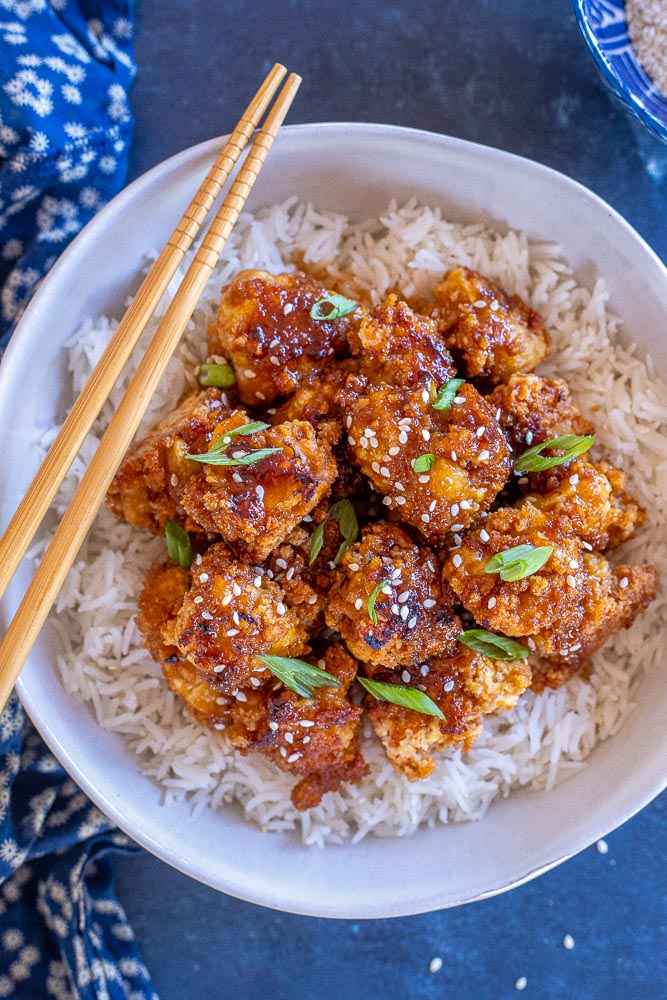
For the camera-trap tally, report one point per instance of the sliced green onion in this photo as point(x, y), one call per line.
point(424, 463)
point(344, 513)
point(215, 458)
point(406, 697)
point(297, 675)
point(332, 307)
point(447, 394)
point(220, 376)
point(179, 546)
point(573, 446)
point(373, 598)
point(496, 647)
point(519, 562)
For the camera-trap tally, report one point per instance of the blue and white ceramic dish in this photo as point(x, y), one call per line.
point(605, 29)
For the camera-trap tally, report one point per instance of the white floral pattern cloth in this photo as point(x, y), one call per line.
point(65, 127)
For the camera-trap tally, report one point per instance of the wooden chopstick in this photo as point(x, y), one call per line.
point(33, 507)
point(34, 609)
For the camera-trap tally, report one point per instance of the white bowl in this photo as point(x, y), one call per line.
point(355, 169)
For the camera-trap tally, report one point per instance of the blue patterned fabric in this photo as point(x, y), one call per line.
point(65, 127)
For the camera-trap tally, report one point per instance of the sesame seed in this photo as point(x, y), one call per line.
point(290, 573)
point(523, 481)
point(249, 373)
point(280, 608)
point(494, 305)
point(274, 360)
point(521, 983)
point(255, 681)
point(449, 686)
point(587, 546)
point(354, 567)
point(289, 738)
point(602, 846)
point(274, 343)
point(351, 440)
point(412, 622)
point(260, 395)
point(424, 479)
point(484, 456)
point(577, 646)
point(457, 527)
point(203, 577)
point(457, 560)
point(273, 726)
point(498, 412)
point(529, 437)
point(395, 610)
point(236, 590)
point(435, 965)
point(219, 725)
point(405, 611)
point(400, 486)
point(623, 583)
point(479, 304)
point(232, 631)
point(259, 490)
point(240, 696)
point(235, 618)
point(238, 454)
point(426, 434)
point(313, 599)
point(199, 599)
point(480, 432)
point(573, 564)
point(465, 505)
point(425, 396)
point(454, 509)
point(363, 442)
point(402, 598)
point(174, 480)
point(236, 476)
point(454, 456)
point(484, 535)
point(429, 602)
point(491, 603)
point(375, 443)
point(358, 604)
point(432, 505)
point(257, 581)
point(283, 752)
point(531, 643)
point(198, 559)
point(426, 518)
point(457, 540)
point(306, 723)
point(568, 942)
point(306, 739)
point(459, 399)
point(219, 668)
point(571, 582)
point(384, 471)
point(574, 479)
point(400, 501)
point(403, 438)
point(406, 677)
point(281, 563)
point(423, 670)
point(288, 309)
point(207, 616)
point(393, 451)
point(396, 573)
point(292, 757)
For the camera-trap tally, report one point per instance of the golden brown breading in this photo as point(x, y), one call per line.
point(162, 595)
point(465, 685)
point(306, 587)
point(613, 598)
point(265, 329)
point(315, 738)
point(549, 599)
point(390, 428)
point(414, 620)
point(533, 409)
point(317, 400)
point(492, 334)
point(590, 500)
point(148, 488)
point(254, 507)
point(231, 612)
point(401, 348)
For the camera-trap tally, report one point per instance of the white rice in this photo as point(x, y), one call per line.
point(545, 737)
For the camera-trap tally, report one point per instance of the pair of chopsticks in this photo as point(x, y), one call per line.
point(43, 590)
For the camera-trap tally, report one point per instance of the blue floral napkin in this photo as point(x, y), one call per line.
point(65, 127)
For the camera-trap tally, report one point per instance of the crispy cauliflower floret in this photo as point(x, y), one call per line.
point(147, 490)
point(391, 428)
point(317, 400)
point(315, 738)
point(531, 410)
point(414, 615)
point(254, 507)
point(465, 686)
point(492, 334)
point(231, 612)
point(589, 499)
point(265, 329)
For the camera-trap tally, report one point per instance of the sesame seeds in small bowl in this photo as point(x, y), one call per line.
point(628, 40)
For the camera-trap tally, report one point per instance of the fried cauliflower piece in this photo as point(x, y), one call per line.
point(254, 507)
point(590, 501)
point(161, 598)
point(492, 334)
point(399, 347)
point(317, 400)
point(147, 490)
point(531, 410)
point(465, 685)
point(265, 329)
point(315, 738)
point(306, 587)
point(612, 599)
point(549, 599)
point(231, 612)
point(391, 428)
point(414, 618)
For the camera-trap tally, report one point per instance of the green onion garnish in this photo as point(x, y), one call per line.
point(297, 675)
point(496, 647)
point(447, 394)
point(373, 598)
point(424, 463)
point(343, 511)
point(573, 446)
point(216, 453)
point(179, 546)
point(406, 697)
point(332, 307)
point(220, 376)
point(518, 562)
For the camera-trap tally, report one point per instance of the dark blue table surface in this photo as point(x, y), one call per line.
point(514, 74)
